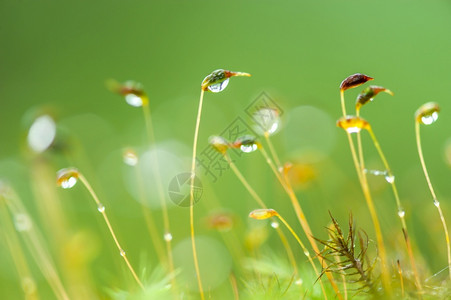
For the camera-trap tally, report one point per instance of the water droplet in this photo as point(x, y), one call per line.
point(167, 237)
point(101, 208)
point(299, 282)
point(306, 253)
point(390, 178)
point(122, 252)
point(130, 158)
point(427, 113)
point(246, 144)
point(401, 213)
point(353, 124)
point(41, 134)
point(275, 224)
point(67, 178)
point(22, 222)
point(134, 100)
point(218, 87)
point(267, 120)
point(436, 203)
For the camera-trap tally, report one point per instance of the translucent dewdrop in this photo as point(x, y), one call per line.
point(427, 113)
point(218, 80)
point(219, 143)
point(436, 203)
point(122, 252)
point(299, 282)
point(306, 253)
point(267, 120)
point(134, 100)
point(275, 224)
point(167, 237)
point(353, 124)
point(246, 144)
point(22, 222)
point(219, 87)
point(101, 208)
point(262, 214)
point(401, 213)
point(130, 158)
point(41, 134)
point(390, 178)
point(67, 178)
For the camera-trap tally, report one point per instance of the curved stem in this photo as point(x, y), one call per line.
point(301, 217)
point(306, 252)
point(101, 209)
point(431, 189)
point(272, 150)
point(191, 196)
point(401, 212)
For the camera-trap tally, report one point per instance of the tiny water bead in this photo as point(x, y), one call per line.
point(22, 222)
point(353, 124)
point(247, 143)
point(436, 203)
point(427, 113)
point(167, 237)
point(353, 81)
point(275, 224)
point(369, 93)
point(67, 178)
point(306, 253)
point(101, 208)
point(267, 120)
point(134, 100)
point(401, 213)
point(122, 252)
point(218, 80)
point(130, 157)
point(390, 178)
point(219, 143)
point(299, 282)
point(41, 134)
point(262, 214)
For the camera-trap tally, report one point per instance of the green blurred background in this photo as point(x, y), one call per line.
point(56, 57)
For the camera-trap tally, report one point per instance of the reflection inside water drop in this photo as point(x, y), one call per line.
point(429, 119)
point(436, 203)
point(101, 208)
point(68, 183)
point(218, 87)
point(133, 100)
point(248, 148)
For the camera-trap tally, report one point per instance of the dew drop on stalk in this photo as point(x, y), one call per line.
point(401, 213)
point(436, 203)
point(101, 208)
point(219, 143)
point(390, 178)
point(427, 113)
point(67, 178)
point(306, 253)
point(267, 120)
point(299, 281)
point(246, 144)
point(122, 252)
point(218, 87)
point(275, 224)
point(167, 237)
point(134, 100)
point(22, 222)
point(353, 124)
point(130, 158)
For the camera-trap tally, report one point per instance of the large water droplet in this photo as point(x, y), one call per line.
point(218, 87)
point(67, 178)
point(41, 134)
point(130, 158)
point(246, 143)
point(429, 119)
point(267, 120)
point(248, 148)
point(167, 237)
point(134, 100)
point(22, 222)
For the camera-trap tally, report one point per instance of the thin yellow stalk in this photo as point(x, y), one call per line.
point(262, 205)
point(369, 201)
point(401, 212)
point(306, 252)
point(233, 283)
point(301, 217)
point(272, 150)
point(101, 209)
point(401, 279)
point(155, 168)
point(431, 189)
point(191, 196)
point(34, 243)
point(28, 283)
